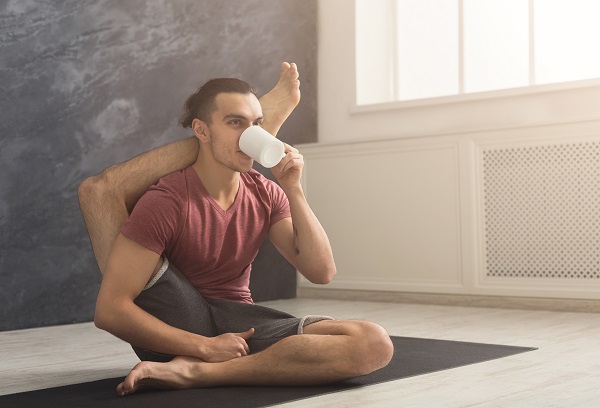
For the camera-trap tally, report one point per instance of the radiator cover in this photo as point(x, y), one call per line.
point(542, 211)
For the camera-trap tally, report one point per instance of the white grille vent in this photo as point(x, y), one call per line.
point(542, 211)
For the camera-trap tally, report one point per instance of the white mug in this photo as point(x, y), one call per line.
point(262, 146)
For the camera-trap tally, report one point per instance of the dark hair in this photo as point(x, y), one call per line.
point(201, 104)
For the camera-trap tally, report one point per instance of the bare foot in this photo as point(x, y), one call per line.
point(280, 101)
point(179, 373)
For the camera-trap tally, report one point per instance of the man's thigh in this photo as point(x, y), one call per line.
point(270, 325)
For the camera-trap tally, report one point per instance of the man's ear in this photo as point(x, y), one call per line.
point(200, 129)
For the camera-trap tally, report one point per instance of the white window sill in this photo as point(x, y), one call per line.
point(477, 96)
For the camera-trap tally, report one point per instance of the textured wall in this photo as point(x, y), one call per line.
point(85, 84)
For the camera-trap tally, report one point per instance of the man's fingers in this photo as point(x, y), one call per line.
point(289, 148)
point(289, 162)
point(246, 335)
point(291, 154)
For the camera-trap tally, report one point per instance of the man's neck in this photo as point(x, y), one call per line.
point(221, 182)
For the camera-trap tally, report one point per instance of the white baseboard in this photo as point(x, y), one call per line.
point(503, 302)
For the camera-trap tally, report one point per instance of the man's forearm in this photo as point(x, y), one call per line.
point(313, 254)
point(130, 323)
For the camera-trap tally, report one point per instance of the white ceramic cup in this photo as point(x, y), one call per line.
point(262, 146)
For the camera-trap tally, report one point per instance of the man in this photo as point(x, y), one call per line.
point(199, 327)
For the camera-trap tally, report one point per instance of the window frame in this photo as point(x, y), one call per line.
point(475, 96)
point(461, 96)
point(341, 121)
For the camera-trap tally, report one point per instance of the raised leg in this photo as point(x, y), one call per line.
point(106, 199)
point(329, 351)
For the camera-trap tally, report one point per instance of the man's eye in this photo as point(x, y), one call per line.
point(234, 122)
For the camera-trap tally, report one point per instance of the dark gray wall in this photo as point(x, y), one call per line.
point(85, 84)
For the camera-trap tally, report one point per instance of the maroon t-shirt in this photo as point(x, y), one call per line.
point(212, 247)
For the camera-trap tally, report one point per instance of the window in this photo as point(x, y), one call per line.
point(416, 49)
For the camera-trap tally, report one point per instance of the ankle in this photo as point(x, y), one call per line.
point(196, 371)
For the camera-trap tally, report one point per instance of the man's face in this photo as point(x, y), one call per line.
point(235, 113)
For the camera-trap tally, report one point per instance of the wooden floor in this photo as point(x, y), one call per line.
point(564, 372)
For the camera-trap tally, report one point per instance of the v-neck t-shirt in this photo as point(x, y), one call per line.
point(212, 247)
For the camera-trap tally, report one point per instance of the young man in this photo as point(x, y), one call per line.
point(209, 220)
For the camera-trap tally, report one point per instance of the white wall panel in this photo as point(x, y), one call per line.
point(391, 213)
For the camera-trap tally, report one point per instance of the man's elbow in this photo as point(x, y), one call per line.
point(100, 318)
point(324, 276)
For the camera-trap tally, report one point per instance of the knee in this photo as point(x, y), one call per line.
point(87, 189)
point(92, 189)
point(374, 348)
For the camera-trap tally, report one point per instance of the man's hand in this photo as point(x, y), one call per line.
point(289, 170)
point(226, 347)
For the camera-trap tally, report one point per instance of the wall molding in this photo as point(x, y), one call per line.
point(504, 302)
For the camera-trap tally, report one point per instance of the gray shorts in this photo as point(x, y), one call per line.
point(172, 299)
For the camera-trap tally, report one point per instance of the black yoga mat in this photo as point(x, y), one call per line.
point(412, 356)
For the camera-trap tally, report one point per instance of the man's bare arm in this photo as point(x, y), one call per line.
point(301, 239)
point(128, 269)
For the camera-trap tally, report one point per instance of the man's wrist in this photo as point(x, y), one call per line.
point(292, 189)
point(201, 347)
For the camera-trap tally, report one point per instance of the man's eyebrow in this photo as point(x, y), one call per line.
point(238, 116)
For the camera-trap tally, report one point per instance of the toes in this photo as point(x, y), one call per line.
point(121, 390)
point(289, 72)
point(129, 385)
point(285, 68)
point(293, 71)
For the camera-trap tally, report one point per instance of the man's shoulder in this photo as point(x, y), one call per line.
point(174, 183)
point(265, 189)
point(254, 177)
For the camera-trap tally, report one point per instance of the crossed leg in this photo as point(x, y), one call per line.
point(329, 351)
